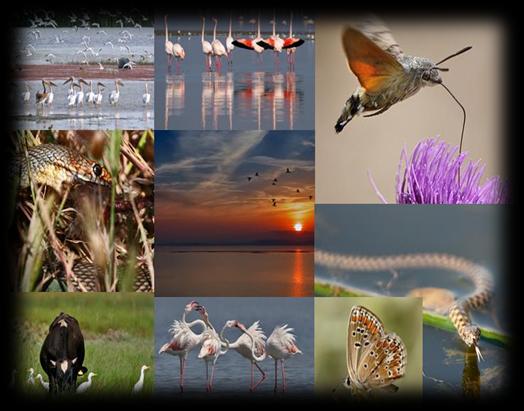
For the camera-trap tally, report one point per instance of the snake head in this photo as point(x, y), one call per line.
point(471, 335)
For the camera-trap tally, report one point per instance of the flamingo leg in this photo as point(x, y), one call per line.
point(212, 375)
point(182, 370)
point(262, 378)
point(283, 376)
point(252, 376)
point(276, 375)
point(207, 376)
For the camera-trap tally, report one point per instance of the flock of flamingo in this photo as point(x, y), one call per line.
point(252, 345)
point(217, 49)
point(76, 97)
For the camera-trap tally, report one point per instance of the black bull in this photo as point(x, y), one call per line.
point(62, 354)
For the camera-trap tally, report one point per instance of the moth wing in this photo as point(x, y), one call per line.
point(362, 325)
point(374, 67)
point(390, 365)
point(377, 31)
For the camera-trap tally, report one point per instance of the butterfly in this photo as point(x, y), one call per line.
point(386, 75)
point(374, 359)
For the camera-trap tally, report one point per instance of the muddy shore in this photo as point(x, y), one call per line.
point(64, 71)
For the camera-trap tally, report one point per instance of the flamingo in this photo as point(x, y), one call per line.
point(212, 346)
point(291, 43)
point(179, 53)
point(207, 49)
point(250, 345)
point(139, 386)
point(115, 94)
point(146, 98)
point(280, 346)
point(218, 48)
point(86, 385)
point(168, 45)
point(184, 339)
point(251, 44)
point(42, 382)
point(98, 96)
point(90, 95)
point(275, 42)
point(229, 44)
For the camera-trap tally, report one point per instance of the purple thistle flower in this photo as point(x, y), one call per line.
point(437, 174)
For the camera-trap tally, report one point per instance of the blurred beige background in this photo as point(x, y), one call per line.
point(398, 314)
point(375, 143)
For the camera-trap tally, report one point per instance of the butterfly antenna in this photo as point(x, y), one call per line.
point(463, 111)
point(454, 55)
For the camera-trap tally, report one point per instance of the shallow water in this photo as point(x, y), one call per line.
point(234, 271)
point(451, 370)
point(251, 93)
point(65, 44)
point(129, 113)
point(232, 370)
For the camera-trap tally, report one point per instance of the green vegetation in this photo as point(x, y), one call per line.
point(430, 318)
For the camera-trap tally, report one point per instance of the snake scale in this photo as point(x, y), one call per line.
point(458, 312)
point(56, 166)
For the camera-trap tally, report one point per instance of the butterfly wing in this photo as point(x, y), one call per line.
point(375, 68)
point(363, 329)
point(388, 363)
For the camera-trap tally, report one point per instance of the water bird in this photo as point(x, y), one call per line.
point(114, 96)
point(280, 346)
point(43, 383)
point(184, 340)
point(218, 48)
point(82, 388)
point(146, 97)
point(207, 49)
point(30, 377)
point(139, 386)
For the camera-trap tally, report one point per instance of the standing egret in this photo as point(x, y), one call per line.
point(31, 378)
point(115, 94)
point(139, 386)
point(42, 382)
point(85, 385)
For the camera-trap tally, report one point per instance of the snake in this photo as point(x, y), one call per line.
point(458, 311)
point(58, 166)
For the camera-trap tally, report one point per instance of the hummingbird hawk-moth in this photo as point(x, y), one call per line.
point(386, 75)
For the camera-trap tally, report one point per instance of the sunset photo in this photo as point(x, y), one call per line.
point(235, 213)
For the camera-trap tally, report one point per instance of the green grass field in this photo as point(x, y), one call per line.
point(118, 334)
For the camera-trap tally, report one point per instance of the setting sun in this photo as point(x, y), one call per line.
point(298, 227)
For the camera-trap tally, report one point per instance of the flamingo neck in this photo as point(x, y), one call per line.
point(165, 25)
point(230, 26)
point(274, 25)
point(203, 28)
point(258, 26)
point(253, 348)
point(215, 31)
point(291, 25)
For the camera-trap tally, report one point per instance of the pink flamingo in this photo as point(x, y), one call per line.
point(183, 340)
point(280, 346)
point(252, 44)
point(207, 49)
point(250, 345)
point(218, 48)
point(212, 347)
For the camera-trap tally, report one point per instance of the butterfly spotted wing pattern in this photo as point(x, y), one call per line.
point(374, 359)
